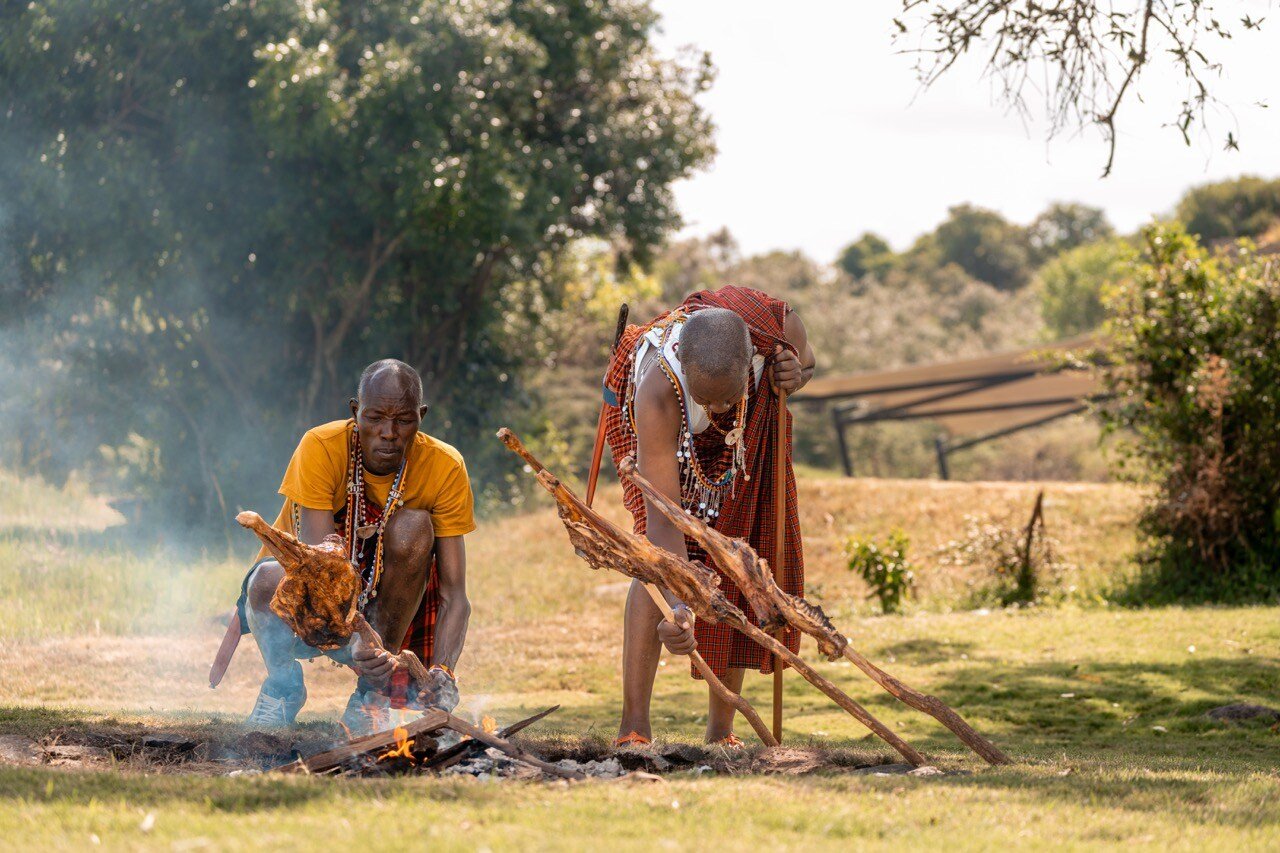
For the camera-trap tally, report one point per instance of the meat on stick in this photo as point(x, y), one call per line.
point(771, 604)
point(605, 546)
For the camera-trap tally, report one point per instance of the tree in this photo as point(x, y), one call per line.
point(1066, 225)
point(1244, 207)
point(985, 245)
point(1072, 284)
point(1090, 56)
point(870, 254)
point(253, 200)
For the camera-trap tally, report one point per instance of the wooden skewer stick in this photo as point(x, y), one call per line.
point(913, 698)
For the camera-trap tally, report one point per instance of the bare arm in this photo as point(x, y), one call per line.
point(314, 525)
point(455, 607)
point(657, 431)
point(792, 371)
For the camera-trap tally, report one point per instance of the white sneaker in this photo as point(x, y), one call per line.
point(366, 713)
point(270, 712)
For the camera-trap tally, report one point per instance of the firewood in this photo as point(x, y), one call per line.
point(431, 720)
point(462, 727)
point(741, 563)
point(460, 752)
point(370, 745)
point(605, 546)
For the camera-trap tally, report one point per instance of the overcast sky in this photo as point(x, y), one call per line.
point(823, 132)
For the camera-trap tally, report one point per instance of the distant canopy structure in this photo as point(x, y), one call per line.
point(973, 400)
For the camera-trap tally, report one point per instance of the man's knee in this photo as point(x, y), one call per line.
point(410, 536)
point(263, 583)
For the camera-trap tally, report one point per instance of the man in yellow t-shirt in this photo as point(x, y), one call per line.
point(418, 599)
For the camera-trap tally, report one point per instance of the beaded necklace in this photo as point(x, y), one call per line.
point(700, 495)
point(354, 528)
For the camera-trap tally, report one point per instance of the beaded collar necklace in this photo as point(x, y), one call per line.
point(700, 495)
point(354, 529)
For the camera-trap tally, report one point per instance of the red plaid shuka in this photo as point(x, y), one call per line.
point(750, 512)
point(421, 636)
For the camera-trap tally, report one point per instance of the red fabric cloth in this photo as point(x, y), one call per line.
point(750, 512)
point(421, 636)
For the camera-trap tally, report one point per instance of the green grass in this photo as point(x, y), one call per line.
point(1102, 707)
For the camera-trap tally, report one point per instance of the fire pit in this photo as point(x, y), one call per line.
point(419, 748)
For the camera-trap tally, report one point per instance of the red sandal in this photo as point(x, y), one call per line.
point(634, 740)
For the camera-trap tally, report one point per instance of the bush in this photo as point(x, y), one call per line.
point(1194, 367)
point(884, 568)
point(1071, 285)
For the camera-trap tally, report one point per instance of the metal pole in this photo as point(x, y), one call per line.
point(843, 444)
point(940, 446)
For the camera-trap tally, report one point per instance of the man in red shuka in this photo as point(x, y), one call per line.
point(693, 396)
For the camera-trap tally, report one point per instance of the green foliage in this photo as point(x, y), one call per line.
point(983, 244)
point(1194, 368)
point(1071, 285)
point(216, 213)
point(1066, 225)
point(870, 254)
point(884, 568)
point(1243, 207)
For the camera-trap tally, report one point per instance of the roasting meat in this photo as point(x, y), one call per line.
point(319, 593)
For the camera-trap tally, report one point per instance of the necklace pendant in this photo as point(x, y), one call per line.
point(733, 436)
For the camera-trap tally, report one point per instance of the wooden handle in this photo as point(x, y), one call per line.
point(597, 451)
point(780, 543)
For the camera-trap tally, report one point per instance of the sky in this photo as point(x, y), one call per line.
point(824, 133)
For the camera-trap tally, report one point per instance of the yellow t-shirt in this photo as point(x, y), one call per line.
point(435, 479)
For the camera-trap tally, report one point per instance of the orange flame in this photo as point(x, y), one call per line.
point(403, 747)
point(489, 724)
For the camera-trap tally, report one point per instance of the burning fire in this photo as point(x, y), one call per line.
point(403, 747)
point(489, 724)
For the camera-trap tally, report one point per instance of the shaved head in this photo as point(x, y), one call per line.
point(387, 410)
point(390, 377)
point(716, 350)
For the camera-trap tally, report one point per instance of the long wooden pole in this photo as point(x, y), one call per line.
point(780, 543)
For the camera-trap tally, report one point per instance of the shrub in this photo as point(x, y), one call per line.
point(1012, 571)
point(1194, 367)
point(884, 568)
point(1071, 285)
